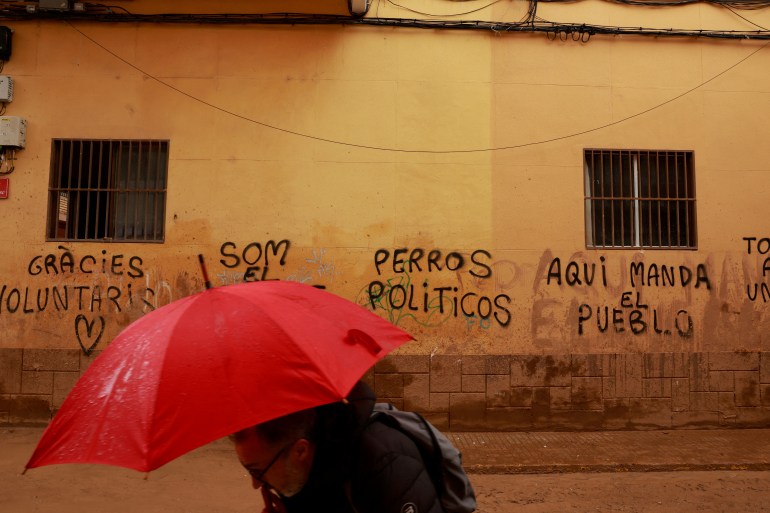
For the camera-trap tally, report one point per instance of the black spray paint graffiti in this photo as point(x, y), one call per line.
point(431, 313)
point(94, 336)
point(399, 296)
point(255, 256)
point(62, 298)
point(435, 261)
point(252, 254)
point(655, 275)
point(755, 290)
point(53, 264)
point(93, 299)
point(666, 275)
point(632, 315)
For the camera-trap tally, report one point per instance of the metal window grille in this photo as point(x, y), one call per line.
point(639, 199)
point(107, 190)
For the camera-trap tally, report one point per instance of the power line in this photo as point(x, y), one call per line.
point(401, 150)
point(529, 25)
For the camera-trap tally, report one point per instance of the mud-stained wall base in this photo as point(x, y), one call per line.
point(493, 392)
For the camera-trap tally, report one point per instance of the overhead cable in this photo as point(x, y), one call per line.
point(405, 150)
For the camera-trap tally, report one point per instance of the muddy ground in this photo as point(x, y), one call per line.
point(209, 480)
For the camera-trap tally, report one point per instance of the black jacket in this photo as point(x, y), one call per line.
point(377, 467)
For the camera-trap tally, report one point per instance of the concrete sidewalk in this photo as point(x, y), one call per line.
point(610, 451)
point(546, 452)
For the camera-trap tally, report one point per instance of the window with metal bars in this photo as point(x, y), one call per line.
point(107, 190)
point(639, 199)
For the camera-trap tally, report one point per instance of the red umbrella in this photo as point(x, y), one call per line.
point(210, 364)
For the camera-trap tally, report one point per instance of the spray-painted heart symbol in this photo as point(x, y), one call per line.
point(89, 331)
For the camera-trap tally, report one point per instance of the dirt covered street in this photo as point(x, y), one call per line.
point(209, 480)
point(633, 492)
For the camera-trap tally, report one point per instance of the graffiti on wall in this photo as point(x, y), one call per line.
point(252, 262)
point(95, 286)
point(759, 290)
point(319, 267)
point(630, 313)
point(254, 257)
point(427, 286)
point(430, 304)
point(119, 283)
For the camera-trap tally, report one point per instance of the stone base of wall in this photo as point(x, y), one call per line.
point(493, 392)
point(580, 391)
point(34, 382)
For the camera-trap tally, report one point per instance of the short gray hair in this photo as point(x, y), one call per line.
point(281, 431)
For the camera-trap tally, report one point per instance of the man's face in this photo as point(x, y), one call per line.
point(283, 468)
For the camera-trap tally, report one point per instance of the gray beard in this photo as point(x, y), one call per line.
point(296, 481)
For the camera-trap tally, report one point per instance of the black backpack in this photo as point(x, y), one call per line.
point(442, 459)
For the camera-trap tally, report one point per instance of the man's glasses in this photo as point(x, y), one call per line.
point(258, 474)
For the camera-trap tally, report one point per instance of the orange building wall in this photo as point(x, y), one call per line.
point(353, 142)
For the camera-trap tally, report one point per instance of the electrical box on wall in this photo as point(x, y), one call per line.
point(5, 43)
point(54, 5)
point(13, 131)
point(6, 88)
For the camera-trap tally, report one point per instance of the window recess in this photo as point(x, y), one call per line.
point(639, 199)
point(107, 190)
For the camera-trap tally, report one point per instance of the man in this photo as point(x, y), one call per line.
point(333, 459)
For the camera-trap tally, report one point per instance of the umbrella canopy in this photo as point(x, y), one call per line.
point(211, 364)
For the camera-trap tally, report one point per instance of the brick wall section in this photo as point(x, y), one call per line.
point(582, 391)
point(493, 392)
point(34, 382)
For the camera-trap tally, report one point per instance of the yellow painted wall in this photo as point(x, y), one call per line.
point(311, 134)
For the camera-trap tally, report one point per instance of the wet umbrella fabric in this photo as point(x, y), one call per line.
point(210, 364)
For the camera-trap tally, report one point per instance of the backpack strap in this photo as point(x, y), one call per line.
point(434, 465)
